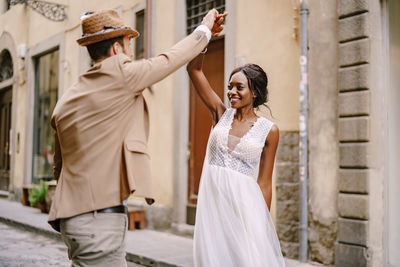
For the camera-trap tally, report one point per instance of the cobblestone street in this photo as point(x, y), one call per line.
point(23, 248)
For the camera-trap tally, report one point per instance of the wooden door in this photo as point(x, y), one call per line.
point(5, 132)
point(201, 121)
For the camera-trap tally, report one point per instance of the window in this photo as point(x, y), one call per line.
point(197, 9)
point(139, 42)
point(6, 5)
point(46, 87)
point(6, 66)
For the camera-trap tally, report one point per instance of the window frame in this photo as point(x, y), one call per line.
point(137, 9)
point(35, 51)
point(37, 130)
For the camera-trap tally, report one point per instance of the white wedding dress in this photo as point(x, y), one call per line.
point(233, 225)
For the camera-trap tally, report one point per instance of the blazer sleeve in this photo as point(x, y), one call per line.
point(141, 74)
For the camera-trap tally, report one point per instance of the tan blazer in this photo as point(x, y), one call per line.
point(102, 127)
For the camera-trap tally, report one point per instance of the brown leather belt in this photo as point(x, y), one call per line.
point(116, 209)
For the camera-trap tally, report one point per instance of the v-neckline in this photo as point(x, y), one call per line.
point(240, 138)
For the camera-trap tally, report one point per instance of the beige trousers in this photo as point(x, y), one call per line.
point(96, 239)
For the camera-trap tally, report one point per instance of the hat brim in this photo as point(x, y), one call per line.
point(95, 38)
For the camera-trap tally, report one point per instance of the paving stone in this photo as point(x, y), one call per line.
point(348, 7)
point(355, 27)
point(145, 247)
point(354, 53)
point(354, 129)
point(354, 181)
point(354, 103)
point(354, 155)
point(353, 206)
point(19, 247)
point(350, 256)
point(353, 231)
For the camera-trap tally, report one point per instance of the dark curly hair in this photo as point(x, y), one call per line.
point(257, 80)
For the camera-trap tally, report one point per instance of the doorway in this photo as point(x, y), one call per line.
point(200, 121)
point(6, 78)
point(5, 137)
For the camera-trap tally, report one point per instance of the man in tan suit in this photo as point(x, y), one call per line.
point(102, 127)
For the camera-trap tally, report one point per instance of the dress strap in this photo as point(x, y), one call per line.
point(226, 118)
point(264, 127)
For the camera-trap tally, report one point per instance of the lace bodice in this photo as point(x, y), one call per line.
point(244, 156)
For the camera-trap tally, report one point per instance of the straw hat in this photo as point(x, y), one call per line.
point(103, 25)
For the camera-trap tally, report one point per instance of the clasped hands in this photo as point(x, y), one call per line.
point(213, 20)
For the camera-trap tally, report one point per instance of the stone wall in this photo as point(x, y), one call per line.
point(287, 193)
point(354, 135)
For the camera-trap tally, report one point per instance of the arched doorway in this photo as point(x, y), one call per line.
point(6, 77)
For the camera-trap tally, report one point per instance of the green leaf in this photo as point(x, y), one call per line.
point(38, 194)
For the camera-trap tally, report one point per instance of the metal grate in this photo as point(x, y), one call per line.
point(197, 9)
point(52, 11)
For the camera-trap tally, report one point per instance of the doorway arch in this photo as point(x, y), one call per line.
point(8, 78)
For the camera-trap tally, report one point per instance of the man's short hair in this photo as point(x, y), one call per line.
point(102, 49)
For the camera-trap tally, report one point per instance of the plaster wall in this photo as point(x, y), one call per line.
point(265, 35)
point(161, 106)
point(393, 140)
point(378, 104)
point(12, 22)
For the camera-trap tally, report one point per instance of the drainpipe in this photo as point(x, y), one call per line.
point(303, 145)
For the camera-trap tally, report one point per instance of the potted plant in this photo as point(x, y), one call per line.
point(37, 196)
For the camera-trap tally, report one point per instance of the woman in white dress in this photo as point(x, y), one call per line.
point(233, 225)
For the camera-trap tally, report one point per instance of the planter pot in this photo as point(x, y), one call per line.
point(42, 207)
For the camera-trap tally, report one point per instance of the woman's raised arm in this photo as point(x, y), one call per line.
point(203, 88)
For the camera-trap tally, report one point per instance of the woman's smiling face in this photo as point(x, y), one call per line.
point(239, 93)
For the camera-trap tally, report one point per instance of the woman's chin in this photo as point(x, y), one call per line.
point(235, 104)
point(239, 105)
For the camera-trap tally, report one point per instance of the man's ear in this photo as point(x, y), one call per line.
point(115, 48)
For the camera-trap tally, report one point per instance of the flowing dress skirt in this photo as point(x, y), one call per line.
point(233, 225)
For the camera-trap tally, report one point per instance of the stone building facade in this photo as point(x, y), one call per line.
point(354, 138)
point(354, 133)
point(354, 129)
